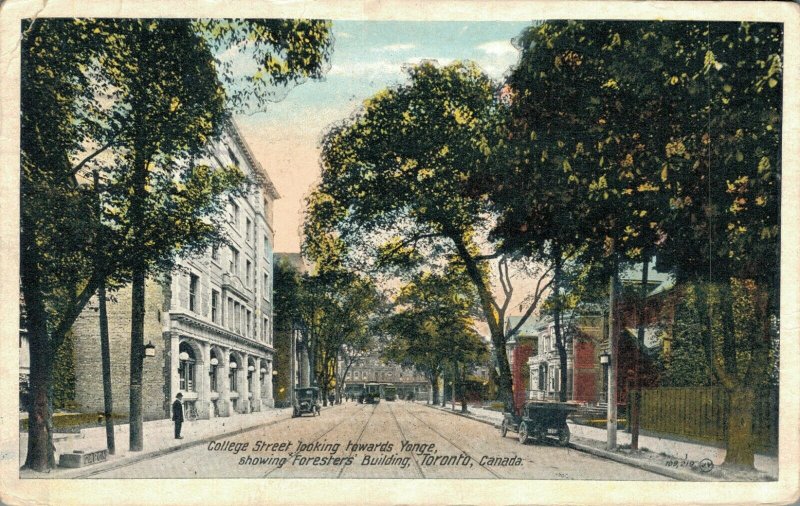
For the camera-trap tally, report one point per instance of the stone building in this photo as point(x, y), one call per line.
point(210, 320)
point(372, 369)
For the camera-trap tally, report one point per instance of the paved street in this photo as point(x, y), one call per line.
point(390, 440)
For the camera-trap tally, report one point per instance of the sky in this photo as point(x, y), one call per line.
point(367, 57)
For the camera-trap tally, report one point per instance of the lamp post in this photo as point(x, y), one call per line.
point(149, 349)
point(611, 411)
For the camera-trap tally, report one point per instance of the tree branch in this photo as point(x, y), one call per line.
point(89, 158)
point(537, 296)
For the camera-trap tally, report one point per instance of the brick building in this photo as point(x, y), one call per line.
point(519, 348)
point(587, 337)
point(210, 320)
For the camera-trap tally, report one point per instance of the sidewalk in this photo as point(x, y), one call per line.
point(159, 439)
point(592, 440)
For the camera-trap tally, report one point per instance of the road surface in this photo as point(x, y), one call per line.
point(389, 440)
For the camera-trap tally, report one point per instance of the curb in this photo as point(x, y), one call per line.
point(669, 473)
point(139, 457)
point(182, 446)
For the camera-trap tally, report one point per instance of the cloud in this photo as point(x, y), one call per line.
point(394, 48)
point(342, 35)
point(498, 48)
point(365, 68)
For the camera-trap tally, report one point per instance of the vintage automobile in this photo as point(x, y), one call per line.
point(306, 400)
point(540, 419)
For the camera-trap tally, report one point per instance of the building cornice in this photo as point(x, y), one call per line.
point(213, 329)
point(261, 174)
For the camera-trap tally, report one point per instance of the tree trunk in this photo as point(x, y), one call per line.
point(434, 379)
point(105, 352)
point(463, 388)
point(740, 451)
point(136, 439)
point(635, 399)
point(40, 456)
point(505, 384)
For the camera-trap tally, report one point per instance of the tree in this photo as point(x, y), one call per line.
point(138, 100)
point(403, 183)
point(434, 325)
point(671, 132)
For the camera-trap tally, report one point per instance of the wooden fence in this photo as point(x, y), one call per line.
point(699, 413)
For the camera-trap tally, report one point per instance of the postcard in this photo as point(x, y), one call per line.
point(399, 252)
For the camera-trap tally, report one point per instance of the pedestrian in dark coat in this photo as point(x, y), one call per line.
point(177, 415)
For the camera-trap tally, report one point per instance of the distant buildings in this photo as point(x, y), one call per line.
point(371, 369)
point(210, 320)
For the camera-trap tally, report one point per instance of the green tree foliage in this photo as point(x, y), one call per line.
point(137, 100)
point(671, 133)
point(336, 309)
point(403, 183)
point(434, 325)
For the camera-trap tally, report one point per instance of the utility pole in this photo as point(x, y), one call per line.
point(105, 353)
point(292, 362)
point(611, 412)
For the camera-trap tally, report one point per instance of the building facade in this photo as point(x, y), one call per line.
point(520, 346)
point(210, 320)
point(371, 369)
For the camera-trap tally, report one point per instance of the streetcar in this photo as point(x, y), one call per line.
point(389, 392)
point(370, 394)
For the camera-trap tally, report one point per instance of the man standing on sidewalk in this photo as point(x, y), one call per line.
point(177, 415)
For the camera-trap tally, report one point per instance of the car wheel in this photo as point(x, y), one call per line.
point(563, 436)
point(503, 429)
point(523, 433)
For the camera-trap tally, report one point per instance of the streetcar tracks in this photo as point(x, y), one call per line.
point(400, 428)
point(358, 440)
point(452, 443)
point(314, 441)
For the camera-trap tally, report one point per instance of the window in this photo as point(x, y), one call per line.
point(232, 386)
point(237, 317)
point(186, 368)
point(215, 253)
point(214, 305)
point(193, 282)
point(265, 330)
point(235, 213)
point(234, 264)
point(212, 377)
point(249, 380)
point(266, 285)
point(247, 272)
point(229, 315)
point(266, 247)
point(248, 230)
point(247, 332)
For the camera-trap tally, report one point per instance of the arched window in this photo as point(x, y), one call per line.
point(186, 367)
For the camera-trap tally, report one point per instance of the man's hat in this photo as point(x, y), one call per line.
point(179, 395)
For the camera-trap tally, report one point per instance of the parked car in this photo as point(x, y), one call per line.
point(306, 400)
point(540, 419)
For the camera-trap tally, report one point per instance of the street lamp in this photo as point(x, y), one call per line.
point(183, 356)
point(605, 358)
point(149, 349)
point(214, 361)
point(251, 368)
point(263, 371)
